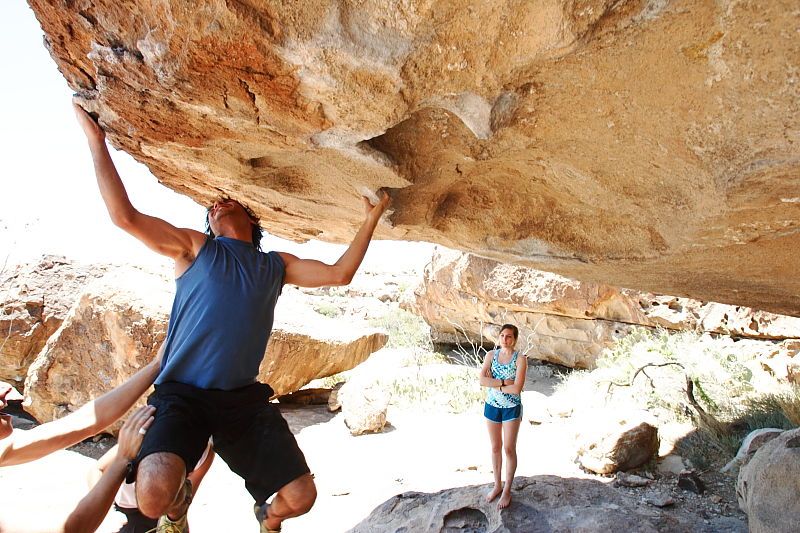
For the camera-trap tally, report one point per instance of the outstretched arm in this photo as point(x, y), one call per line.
point(93, 508)
point(181, 244)
point(24, 446)
point(312, 273)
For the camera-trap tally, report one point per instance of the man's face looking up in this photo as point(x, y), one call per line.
point(225, 208)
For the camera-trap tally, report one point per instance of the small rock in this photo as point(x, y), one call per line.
point(716, 498)
point(689, 480)
point(630, 480)
point(671, 465)
point(659, 500)
point(333, 399)
point(364, 407)
point(613, 441)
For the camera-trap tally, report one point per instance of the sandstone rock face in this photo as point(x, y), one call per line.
point(648, 144)
point(305, 346)
point(540, 504)
point(769, 483)
point(570, 322)
point(115, 328)
point(294, 358)
point(35, 300)
point(609, 443)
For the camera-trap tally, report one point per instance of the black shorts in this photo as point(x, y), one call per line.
point(137, 522)
point(249, 433)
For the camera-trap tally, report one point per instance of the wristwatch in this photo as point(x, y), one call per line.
point(130, 472)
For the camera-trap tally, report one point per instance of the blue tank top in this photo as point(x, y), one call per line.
point(222, 316)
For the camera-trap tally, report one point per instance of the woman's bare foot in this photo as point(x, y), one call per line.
point(505, 500)
point(493, 494)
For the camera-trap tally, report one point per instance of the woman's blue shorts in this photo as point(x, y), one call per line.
point(502, 414)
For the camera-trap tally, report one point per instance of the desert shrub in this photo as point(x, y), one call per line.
point(649, 369)
point(455, 391)
point(779, 409)
point(406, 330)
point(328, 309)
point(330, 381)
point(423, 357)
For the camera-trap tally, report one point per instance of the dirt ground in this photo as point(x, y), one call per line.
point(418, 451)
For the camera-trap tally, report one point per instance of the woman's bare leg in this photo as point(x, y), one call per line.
point(510, 433)
point(496, 441)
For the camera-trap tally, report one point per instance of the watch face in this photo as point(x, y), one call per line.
point(130, 472)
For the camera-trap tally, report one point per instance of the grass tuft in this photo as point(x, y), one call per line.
point(406, 330)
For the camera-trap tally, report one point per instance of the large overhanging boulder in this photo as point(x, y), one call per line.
point(647, 144)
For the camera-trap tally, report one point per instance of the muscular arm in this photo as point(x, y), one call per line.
point(181, 244)
point(311, 273)
point(24, 446)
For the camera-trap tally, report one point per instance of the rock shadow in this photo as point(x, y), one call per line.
point(300, 417)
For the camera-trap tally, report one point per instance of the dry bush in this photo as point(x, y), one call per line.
point(686, 376)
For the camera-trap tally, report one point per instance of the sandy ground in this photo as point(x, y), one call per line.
point(418, 451)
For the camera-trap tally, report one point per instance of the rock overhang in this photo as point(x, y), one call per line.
point(646, 144)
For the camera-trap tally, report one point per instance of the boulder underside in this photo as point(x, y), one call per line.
point(649, 144)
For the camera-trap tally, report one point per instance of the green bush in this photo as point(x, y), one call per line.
point(406, 330)
point(457, 391)
point(328, 309)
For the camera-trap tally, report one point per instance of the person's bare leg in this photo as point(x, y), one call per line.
point(293, 499)
point(160, 486)
point(510, 432)
point(496, 441)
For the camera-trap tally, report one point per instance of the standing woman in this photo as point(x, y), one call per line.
point(503, 373)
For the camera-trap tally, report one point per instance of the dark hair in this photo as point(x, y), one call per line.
point(513, 329)
point(257, 234)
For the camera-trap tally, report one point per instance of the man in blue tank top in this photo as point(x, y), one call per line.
point(218, 331)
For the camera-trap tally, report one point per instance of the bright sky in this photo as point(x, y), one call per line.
point(50, 199)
